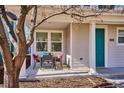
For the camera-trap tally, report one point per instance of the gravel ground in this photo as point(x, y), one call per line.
point(67, 82)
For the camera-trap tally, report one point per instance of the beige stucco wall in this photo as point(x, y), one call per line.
point(115, 52)
point(80, 44)
point(64, 45)
point(67, 32)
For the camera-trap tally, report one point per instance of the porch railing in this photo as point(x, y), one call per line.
point(68, 61)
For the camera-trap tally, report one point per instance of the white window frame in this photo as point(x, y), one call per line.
point(56, 41)
point(41, 41)
point(49, 40)
point(119, 44)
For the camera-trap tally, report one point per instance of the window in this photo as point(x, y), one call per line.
point(120, 37)
point(41, 41)
point(49, 41)
point(56, 42)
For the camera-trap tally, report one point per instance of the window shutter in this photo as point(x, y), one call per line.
point(0, 58)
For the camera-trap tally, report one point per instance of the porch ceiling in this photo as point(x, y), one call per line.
point(53, 25)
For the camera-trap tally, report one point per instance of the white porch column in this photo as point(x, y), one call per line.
point(71, 45)
point(92, 51)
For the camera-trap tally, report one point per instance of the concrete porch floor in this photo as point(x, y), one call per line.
point(114, 75)
point(46, 73)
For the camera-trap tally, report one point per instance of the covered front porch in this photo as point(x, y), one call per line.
point(73, 60)
point(52, 38)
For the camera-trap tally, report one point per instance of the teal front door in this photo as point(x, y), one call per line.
point(100, 36)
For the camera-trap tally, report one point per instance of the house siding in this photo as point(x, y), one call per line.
point(115, 52)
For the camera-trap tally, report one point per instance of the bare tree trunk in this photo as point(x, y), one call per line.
point(11, 79)
point(15, 81)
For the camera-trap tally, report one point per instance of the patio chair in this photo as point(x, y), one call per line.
point(47, 61)
point(36, 60)
point(43, 53)
point(58, 60)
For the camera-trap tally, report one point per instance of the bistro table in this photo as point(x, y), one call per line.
point(47, 61)
point(58, 60)
point(51, 61)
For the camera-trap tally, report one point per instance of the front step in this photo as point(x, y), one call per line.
point(76, 65)
point(58, 74)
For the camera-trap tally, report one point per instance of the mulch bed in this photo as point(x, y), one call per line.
point(67, 82)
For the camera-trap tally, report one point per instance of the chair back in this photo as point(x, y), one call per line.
point(44, 53)
point(47, 57)
point(36, 58)
point(58, 57)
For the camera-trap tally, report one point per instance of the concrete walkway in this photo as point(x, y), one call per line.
point(117, 81)
point(110, 71)
point(114, 75)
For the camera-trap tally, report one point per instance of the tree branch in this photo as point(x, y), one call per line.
point(21, 22)
point(1, 41)
point(31, 37)
point(21, 36)
point(63, 12)
point(30, 7)
point(5, 47)
point(4, 15)
point(43, 20)
point(82, 16)
point(79, 15)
